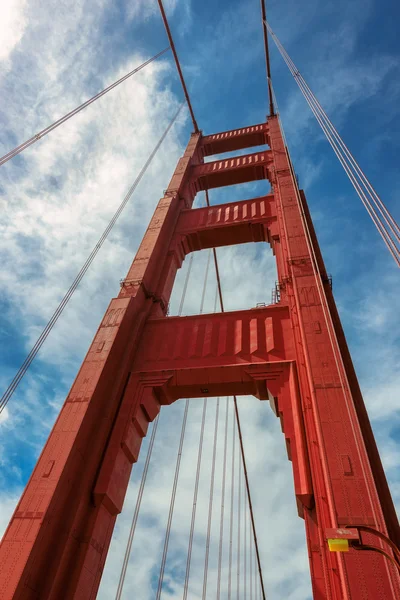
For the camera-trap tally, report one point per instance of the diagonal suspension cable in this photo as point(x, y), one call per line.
point(306, 90)
point(178, 66)
point(253, 527)
point(267, 61)
point(75, 111)
point(43, 336)
point(346, 160)
point(136, 511)
point(375, 207)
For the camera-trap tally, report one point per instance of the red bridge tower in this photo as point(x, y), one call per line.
point(292, 353)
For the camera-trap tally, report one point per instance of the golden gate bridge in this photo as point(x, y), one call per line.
point(292, 353)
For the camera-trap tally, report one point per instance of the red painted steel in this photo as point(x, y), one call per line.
point(235, 139)
point(227, 224)
point(292, 354)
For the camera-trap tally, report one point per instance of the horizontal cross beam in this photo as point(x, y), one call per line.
point(231, 171)
point(228, 224)
point(235, 139)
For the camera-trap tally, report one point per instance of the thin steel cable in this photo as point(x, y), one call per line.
point(245, 545)
point(210, 505)
point(338, 146)
point(221, 300)
point(235, 404)
point(194, 507)
point(221, 523)
point(380, 226)
point(216, 299)
point(362, 186)
point(203, 295)
point(240, 437)
point(251, 565)
point(40, 341)
point(172, 502)
point(198, 468)
point(364, 199)
point(297, 75)
point(232, 507)
point(136, 511)
point(185, 286)
point(238, 531)
point(146, 467)
point(267, 61)
point(178, 66)
point(73, 112)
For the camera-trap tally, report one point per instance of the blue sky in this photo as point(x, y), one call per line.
point(58, 196)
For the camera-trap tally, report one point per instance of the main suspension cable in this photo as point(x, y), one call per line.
point(178, 66)
point(136, 511)
point(75, 111)
point(43, 336)
point(368, 196)
point(267, 61)
point(240, 437)
point(314, 100)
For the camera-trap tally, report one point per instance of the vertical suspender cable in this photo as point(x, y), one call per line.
point(203, 295)
point(232, 508)
point(251, 567)
point(185, 285)
point(198, 467)
point(240, 439)
point(172, 501)
point(178, 459)
point(136, 511)
point(210, 506)
point(238, 530)
point(221, 523)
point(249, 497)
point(178, 66)
point(245, 545)
point(194, 506)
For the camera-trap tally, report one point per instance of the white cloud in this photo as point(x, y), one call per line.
point(12, 27)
